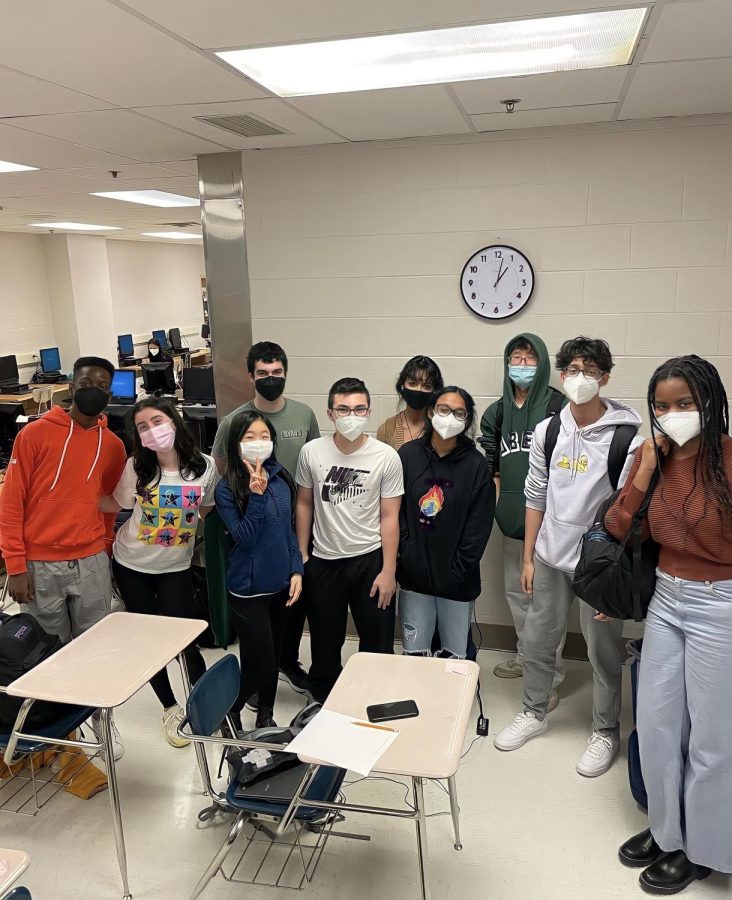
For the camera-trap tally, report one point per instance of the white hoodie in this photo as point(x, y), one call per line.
point(579, 480)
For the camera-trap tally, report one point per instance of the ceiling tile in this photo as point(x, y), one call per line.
point(679, 89)
point(302, 130)
point(48, 153)
point(125, 132)
point(394, 113)
point(80, 44)
point(698, 30)
point(130, 172)
point(537, 118)
point(553, 89)
point(23, 95)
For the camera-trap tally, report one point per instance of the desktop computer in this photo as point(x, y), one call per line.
point(124, 388)
point(125, 345)
point(175, 340)
point(9, 376)
point(198, 385)
point(50, 370)
point(158, 378)
point(160, 336)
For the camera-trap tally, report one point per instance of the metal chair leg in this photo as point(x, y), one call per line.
point(421, 823)
point(455, 811)
point(223, 850)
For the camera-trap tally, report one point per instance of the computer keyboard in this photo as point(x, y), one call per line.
point(15, 389)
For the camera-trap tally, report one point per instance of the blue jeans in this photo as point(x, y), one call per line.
point(420, 613)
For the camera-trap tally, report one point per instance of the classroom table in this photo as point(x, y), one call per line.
point(12, 865)
point(60, 392)
point(199, 357)
point(103, 668)
point(428, 746)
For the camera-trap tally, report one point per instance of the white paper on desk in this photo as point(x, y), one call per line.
point(333, 738)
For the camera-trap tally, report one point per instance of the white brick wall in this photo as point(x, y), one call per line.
point(355, 254)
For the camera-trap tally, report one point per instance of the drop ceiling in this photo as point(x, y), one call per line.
point(92, 88)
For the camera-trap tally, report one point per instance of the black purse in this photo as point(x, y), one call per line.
point(618, 578)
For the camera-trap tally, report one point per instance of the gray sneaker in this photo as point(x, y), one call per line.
point(512, 668)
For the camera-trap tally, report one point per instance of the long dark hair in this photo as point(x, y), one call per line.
point(236, 472)
point(469, 406)
point(191, 461)
point(710, 398)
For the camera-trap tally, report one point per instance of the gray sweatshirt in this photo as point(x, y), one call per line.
point(579, 480)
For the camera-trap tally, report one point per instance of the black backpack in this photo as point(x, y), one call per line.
point(24, 644)
point(617, 455)
point(618, 578)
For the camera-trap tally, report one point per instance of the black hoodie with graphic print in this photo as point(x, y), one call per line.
point(445, 519)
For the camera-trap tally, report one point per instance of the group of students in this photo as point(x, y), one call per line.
point(320, 526)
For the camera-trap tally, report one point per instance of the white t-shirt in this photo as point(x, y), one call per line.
point(161, 533)
point(347, 491)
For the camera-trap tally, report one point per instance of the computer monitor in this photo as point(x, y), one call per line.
point(203, 425)
point(50, 360)
point(160, 336)
point(158, 377)
point(124, 389)
point(125, 345)
point(198, 385)
point(205, 331)
point(174, 339)
point(9, 370)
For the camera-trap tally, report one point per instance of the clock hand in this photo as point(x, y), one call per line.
point(499, 274)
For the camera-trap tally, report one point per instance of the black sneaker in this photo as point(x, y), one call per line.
point(296, 677)
point(264, 718)
point(253, 702)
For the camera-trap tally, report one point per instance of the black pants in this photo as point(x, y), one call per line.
point(165, 594)
point(292, 635)
point(259, 623)
point(334, 586)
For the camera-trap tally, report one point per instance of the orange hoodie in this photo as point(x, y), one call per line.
point(49, 506)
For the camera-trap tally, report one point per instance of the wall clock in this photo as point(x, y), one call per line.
point(497, 281)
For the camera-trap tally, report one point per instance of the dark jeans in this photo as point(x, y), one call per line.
point(333, 586)
point(259, 623)
point(165, 594)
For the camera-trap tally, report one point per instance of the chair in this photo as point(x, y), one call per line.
point(43, 397)
point(18, 893)
point(207, 707)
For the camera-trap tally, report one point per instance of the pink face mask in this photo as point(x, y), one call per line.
point(159, 437)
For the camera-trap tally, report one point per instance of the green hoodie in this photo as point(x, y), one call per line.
point(507, 450)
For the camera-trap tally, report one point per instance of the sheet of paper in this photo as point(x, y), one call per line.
point(334, 739)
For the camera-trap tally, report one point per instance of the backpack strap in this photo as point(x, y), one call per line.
point(635, 530)
point(619, 446)
point(550, 441)
point(555, 404)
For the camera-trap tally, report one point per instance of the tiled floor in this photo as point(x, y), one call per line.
point(532, 828)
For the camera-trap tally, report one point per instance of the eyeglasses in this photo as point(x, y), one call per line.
point(592, 372)
point(343, 411)
point(523, 359)
point(443, 410)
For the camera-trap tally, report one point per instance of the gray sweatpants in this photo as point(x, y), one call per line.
point(684, 722)
point(71, 596)
point(546, 622)
point(518, 602)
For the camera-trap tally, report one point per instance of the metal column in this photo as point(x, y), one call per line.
point(227, 275)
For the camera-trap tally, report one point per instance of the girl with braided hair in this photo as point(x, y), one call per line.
point(684, 720)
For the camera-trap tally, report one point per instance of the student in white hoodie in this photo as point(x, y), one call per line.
point(574, 465)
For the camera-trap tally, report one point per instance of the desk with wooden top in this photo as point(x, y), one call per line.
point(60, 392)
point(200, 357)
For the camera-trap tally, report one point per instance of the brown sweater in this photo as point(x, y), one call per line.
point(394, 431)
point(695, 544)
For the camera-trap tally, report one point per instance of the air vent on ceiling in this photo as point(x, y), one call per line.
point(245, 126)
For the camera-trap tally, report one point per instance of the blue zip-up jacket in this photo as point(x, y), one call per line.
point(265, 552)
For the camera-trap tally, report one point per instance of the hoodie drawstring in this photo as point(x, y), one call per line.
point(63, 455)
point(96, 458)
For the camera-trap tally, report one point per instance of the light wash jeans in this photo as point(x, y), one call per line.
point(685, 718)
point(419, 613)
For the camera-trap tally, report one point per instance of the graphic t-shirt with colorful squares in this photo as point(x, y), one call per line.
point(161, 533)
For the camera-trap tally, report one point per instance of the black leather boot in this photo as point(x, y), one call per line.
point(639, 851)
point(671, 874)
point(264, 718)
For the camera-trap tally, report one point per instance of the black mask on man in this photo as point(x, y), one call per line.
point(90, 401)
point(270, 387)
point(415, 399)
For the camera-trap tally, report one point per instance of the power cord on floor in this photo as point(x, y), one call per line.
point(483, 723)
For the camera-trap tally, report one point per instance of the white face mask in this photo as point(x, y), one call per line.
point(581, 389)
point(252, 451)
point(681, 427)
point(352, 427)
point(447, 426)
point(154, 351)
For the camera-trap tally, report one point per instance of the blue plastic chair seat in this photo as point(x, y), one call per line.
point(324, 787)
point(58, 729)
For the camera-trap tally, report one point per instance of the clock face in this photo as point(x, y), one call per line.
point(497, 281)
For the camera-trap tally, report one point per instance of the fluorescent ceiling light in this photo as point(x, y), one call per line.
point(6, 166)
point(73, 226)
point(174, 235)
point(149, 198)
point(560, 43)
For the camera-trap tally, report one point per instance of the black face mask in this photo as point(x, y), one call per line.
point(415, 399)
point(90, 401)
point(270, 387)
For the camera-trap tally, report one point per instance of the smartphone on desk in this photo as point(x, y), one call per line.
point(387, 712)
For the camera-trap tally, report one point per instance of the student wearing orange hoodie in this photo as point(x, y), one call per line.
point(52, 534)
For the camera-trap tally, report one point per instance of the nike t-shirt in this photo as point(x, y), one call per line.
point(347, 491)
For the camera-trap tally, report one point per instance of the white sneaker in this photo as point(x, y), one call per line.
point(117, 746)
point(524, 727)
point(599, 755)
point(172, 717)
point(553, 702)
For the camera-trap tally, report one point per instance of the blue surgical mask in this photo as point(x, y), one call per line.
point(522, 376)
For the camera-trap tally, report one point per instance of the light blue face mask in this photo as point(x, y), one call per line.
point(522, 376)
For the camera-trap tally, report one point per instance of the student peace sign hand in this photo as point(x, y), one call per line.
point(257, 477)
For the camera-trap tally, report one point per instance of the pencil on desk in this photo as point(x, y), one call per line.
point(377, 727)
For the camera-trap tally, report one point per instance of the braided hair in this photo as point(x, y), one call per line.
point(710, 398)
